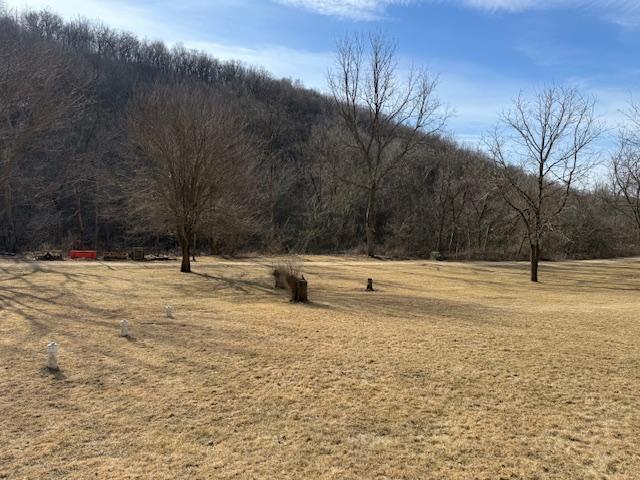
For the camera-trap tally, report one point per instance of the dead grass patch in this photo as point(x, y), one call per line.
point(452, 371)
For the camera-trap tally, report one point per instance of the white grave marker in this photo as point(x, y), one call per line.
point(52, 360)
point(124, 328)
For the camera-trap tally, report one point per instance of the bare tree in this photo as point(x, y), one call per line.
point(541, 148)
point(42, 92)
point(386, 117)
point(625, 166)
point(196, 150)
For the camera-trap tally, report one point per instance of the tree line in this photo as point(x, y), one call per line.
point(108, 141)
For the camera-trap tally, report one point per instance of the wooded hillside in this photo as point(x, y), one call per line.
point(73, 124)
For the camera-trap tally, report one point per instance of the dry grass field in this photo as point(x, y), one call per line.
point(448, 371)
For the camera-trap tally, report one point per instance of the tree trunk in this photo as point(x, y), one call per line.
point(371, 223)
point(185, 243)
point(80, 219)
point(9, 231)
point(535, 259)
point(96, 226)
point(96, 208)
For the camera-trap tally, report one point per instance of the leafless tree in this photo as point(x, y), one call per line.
point(196, 149)
point(625, 166)
point(541, 148)
point(387, 117)
point(451, 192)
point(329, 202)
point(41, 91)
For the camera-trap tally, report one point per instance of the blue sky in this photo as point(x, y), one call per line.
point(485, 51)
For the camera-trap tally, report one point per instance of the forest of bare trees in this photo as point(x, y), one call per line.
point(108, 141)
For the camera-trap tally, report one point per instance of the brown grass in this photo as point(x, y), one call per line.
point(448, 371)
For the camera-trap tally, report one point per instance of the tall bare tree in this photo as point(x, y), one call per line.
point(625, 167)
point(541, 148)
point(386, 116)
point(42, 92)
point(196, 151)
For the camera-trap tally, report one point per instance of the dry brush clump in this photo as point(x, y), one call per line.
point(284, 273)
point(288, 275)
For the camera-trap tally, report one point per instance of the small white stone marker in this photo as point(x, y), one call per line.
point(52, 360)
point(168, 310)
point(124, 328)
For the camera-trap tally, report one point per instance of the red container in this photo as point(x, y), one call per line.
point(87, 254)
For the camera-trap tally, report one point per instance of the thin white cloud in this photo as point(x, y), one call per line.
point(504, 5)
point(624, 12)
point(349, 9)
point(283, 62)
point(117, 14)
point(521, 5)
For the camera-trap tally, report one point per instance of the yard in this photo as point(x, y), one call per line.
point(447, 371)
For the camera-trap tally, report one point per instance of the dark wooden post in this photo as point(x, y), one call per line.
point(299, 291)
point(302, 291)
point(370, 285)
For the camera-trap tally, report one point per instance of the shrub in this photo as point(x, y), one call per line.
point(285, 274)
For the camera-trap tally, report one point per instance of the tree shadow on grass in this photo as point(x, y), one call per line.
point(314, 305)
point(37, 302)
point(409, 307)
point(245, 288)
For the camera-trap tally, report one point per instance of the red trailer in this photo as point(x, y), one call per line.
point(84, 254)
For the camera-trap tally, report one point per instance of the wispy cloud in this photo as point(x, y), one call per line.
point(139, 18)
point(624, 12)
point(501, 5)
point(521, 5)
point(115, 13)
point(363, 10)
point(282, 62)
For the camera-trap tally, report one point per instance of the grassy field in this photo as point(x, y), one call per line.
point(448, 371)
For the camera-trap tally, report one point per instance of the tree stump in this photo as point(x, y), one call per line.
point(370, 285)
point(299, 291)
